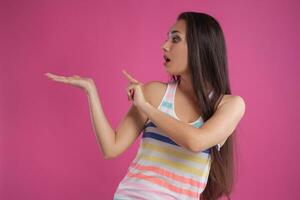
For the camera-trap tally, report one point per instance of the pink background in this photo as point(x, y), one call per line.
point(48, 149)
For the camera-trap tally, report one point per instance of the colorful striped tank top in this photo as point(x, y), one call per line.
point(163, 170)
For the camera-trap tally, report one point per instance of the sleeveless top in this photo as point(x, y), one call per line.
point(163, 170)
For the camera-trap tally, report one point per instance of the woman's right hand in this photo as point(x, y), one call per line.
point(83, 83)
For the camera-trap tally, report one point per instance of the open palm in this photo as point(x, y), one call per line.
point(75, 80)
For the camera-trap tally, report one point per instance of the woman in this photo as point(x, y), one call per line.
point(186, 151)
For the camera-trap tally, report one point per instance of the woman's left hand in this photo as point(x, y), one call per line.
point(135, 91)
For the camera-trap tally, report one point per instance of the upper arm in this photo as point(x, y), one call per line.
point(133, 123)
point(221, 124)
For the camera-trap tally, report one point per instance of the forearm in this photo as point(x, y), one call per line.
point(180, 132)
point(104, 132)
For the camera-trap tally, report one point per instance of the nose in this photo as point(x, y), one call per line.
point(165, 46)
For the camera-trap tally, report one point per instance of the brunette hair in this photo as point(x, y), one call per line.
point(207, 60)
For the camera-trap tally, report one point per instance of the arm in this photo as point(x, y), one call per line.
point(113, 143)
point(104, 132)
point(212, 132)
point(128, 130)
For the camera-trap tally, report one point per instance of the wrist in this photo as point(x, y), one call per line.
point(144, 107)
point(90, 89)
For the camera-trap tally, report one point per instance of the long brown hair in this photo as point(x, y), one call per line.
point(207, 59)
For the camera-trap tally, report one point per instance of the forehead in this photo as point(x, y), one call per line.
point(178, 27)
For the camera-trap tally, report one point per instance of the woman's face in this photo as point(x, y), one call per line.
point(175, 48)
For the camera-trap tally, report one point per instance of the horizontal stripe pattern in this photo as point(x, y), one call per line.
point(149, 148)
point(162, 169)
point(162, 137)
point(171, 177)
point(161, 182)
point(141, 158)
point(149, 190)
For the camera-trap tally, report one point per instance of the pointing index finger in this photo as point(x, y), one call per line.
point(129, 77)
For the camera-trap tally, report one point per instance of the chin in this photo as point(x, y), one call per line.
point(169, 72)
point(172, 73)
point(170, 69)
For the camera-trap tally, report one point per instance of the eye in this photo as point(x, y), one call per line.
point(175, 39)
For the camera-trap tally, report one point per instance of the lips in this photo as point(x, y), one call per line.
point(166, 58)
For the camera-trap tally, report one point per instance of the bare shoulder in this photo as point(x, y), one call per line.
point(235, 101)
point(236, 98)
point(154, 92)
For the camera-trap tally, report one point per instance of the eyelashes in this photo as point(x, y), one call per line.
point(174, 39)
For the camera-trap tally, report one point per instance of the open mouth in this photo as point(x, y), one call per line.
point(166, 59)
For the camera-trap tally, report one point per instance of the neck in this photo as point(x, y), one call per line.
point(186, 86)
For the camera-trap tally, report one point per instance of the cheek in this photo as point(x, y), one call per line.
point(178, 66)
point(182, 54)
point(182, 60)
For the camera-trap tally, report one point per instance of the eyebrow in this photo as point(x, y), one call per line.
point(174, 31)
